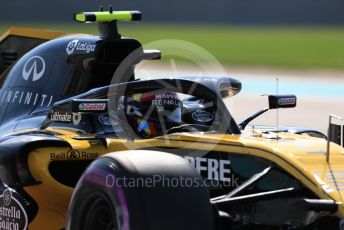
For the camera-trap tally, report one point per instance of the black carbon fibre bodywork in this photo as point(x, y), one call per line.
point(56, 70)
point(14, 171)
point(14, 152)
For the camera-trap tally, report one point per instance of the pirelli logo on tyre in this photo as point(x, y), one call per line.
point(73, 155)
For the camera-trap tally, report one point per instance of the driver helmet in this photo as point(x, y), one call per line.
point(153, 114)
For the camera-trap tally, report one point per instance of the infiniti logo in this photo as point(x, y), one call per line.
point(35, 67)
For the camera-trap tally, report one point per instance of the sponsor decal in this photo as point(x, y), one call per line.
point(92, 106)
point(76, 118)
point(76, 45)
point(166, 102)
point(202, 116)
point(66, 117)
point(213, 169)
point(34, 67)
point(61, 117)
point(166, 96)
point(7, 195)
point(287, 101)
point(74, 155)
point(166, 99)
point(12, 213)
point(105, 120)
point(71, 46)
point(27, 98)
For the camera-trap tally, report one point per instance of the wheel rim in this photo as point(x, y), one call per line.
point(100, 215)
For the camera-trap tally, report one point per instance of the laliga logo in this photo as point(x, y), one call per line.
point(76, 45)
point(34, 66)
point(71, 46)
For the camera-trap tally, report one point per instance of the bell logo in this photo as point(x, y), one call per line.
point(35, 67)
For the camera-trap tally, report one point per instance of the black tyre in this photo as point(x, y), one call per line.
point(167, 194)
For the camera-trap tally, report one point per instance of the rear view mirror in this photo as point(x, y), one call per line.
point(275, 102)
point(282, 101)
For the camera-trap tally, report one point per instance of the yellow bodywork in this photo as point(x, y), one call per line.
point(302, 156)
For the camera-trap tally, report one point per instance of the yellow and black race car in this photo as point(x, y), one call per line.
point(84, 145)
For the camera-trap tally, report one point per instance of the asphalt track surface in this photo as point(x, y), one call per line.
point(319, 94)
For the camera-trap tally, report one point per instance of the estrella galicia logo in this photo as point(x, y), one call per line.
point(34, 67)
point(71, 46)
point(12, 213)
point(7, 197)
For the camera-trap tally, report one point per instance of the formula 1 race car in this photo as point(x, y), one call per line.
point(85, 145)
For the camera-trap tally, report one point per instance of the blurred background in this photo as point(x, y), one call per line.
point(299, 41)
